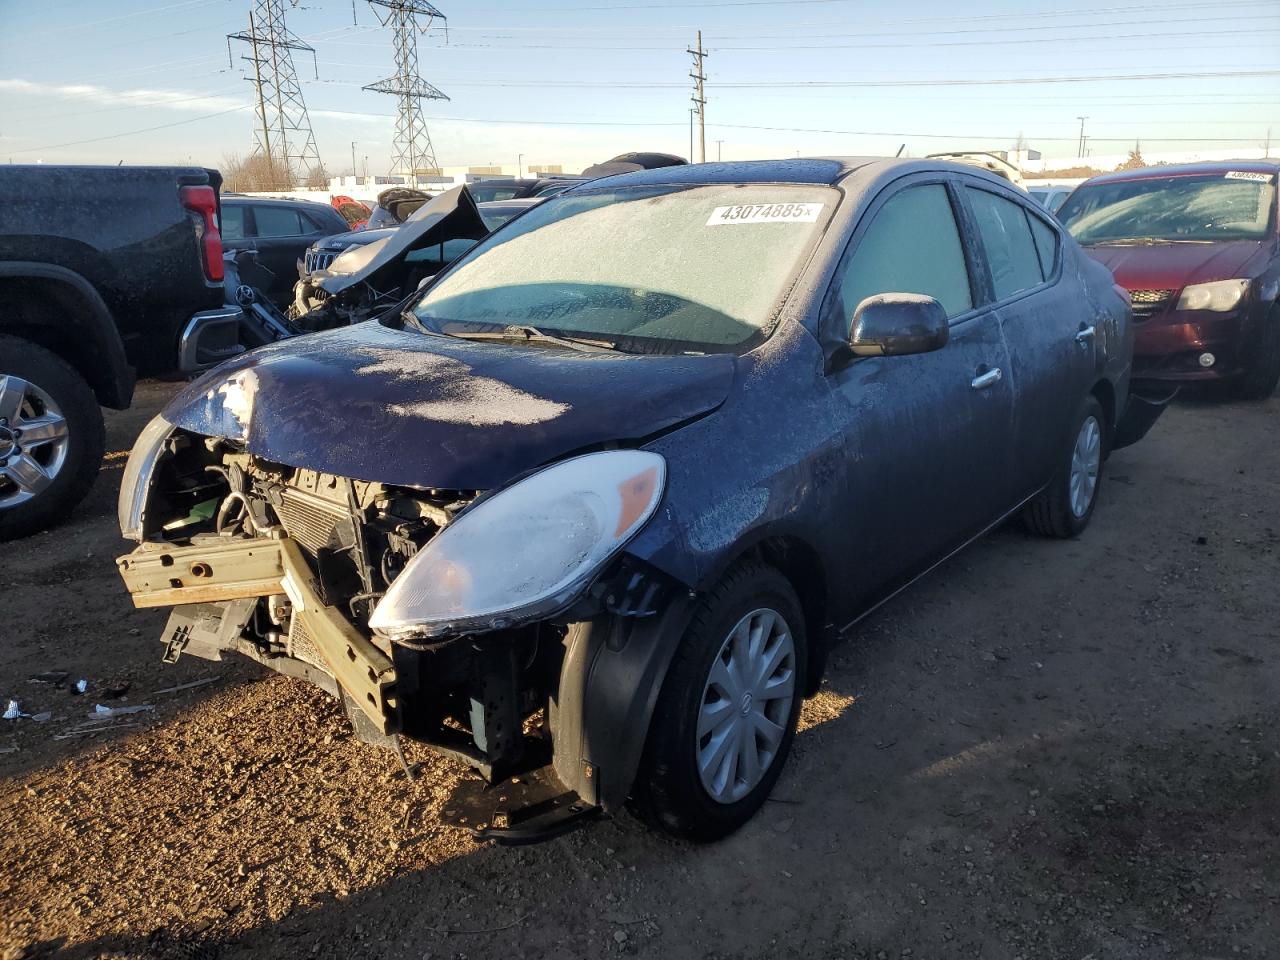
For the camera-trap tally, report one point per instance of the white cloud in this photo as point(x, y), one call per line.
point(184, 100)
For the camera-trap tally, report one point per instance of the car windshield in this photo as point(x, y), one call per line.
point(659, 267)
point(1214, 206)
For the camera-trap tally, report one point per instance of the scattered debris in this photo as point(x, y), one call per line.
point(184, 686)
point(80, 686)
point(115, 689)
point(100, 728)
point(41, 717)
point(13, 711)
point(54, 677)
point(99, 711)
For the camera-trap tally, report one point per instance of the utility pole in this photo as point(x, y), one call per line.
point(284, 138)
point(411, 148)
point(719, 144)
point(1080, 142)
point(699, 99)
point(519, 166)
point(355, 171)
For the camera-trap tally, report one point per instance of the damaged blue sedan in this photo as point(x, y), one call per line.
point(589, 510)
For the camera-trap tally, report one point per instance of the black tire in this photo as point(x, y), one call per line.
point(1262, 361)
point(1049, 513)
point(668, 792)
point(85, 437)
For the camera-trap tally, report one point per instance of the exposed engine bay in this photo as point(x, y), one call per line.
point(285, 565)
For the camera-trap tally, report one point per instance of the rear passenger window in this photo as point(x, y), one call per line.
point(1046, 244)
point(232, 223)
point(277, 222)
point(1006, 235)
point(912, 246)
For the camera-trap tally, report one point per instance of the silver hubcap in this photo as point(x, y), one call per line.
point(1086, 459)
point(33, 441)
point(746, 704)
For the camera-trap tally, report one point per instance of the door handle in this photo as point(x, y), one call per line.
point(982, 381)
point(1086, 334)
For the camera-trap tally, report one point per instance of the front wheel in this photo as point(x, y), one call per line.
point(1262, 363)
point(1063, 508)
point(726, 716)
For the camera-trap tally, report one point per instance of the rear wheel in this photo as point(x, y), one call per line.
point(51, 438)
point(726, 717)
point(1063, 509)
point(1262, 363)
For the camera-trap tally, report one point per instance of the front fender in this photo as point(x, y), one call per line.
point(610, 679)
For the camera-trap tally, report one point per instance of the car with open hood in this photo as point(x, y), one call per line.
point(1198, 248)
point(589, 512)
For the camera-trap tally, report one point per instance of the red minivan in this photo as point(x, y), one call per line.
point(1198, 248)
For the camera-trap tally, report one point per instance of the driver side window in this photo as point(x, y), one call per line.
point(912, 246)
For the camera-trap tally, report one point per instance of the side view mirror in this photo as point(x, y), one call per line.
point(896, 324)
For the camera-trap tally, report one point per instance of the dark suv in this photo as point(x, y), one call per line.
point(280, 230)
point(1198, 248)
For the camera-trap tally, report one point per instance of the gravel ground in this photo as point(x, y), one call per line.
point(1044, 750)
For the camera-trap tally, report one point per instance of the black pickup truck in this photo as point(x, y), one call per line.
point(106, 274)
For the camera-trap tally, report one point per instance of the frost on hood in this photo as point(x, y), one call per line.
point(458, 395)
point(229, 405)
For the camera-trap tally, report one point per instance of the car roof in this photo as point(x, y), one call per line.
point(245, 198)
point(816, 170)
point(1189, 169)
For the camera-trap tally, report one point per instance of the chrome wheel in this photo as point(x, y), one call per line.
point(33, 441)
point(746, 705)
point(1086, 461)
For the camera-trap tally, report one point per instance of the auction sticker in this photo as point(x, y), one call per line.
point(1246, 175)
point(765, 213)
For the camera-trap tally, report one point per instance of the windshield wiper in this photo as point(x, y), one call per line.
point(1142, 241)
point(521, 333)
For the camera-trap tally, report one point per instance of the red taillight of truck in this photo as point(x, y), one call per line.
point(203, 202)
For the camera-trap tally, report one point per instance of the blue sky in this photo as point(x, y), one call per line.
point(576, 81)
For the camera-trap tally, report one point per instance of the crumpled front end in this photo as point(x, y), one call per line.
point(289, 566)
point(278, 562)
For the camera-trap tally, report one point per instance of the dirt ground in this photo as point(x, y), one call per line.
point(1044, 750)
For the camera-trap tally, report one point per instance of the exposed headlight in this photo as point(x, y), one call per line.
point(1219, 296)
point(526, 551)
point(137, 476)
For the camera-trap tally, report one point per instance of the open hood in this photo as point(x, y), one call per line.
point(450, 216)
point(408, 408)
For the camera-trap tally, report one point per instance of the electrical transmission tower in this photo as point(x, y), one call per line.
point(699, 98)
point(283, 133)
point(411, 149)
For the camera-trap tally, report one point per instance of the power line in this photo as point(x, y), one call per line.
point(916, 34)
point(699, 97)
point(411, 148)
point(1207, 74)
point(283, 136)
point(128, 133)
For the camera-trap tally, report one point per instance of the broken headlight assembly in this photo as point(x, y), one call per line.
point(136, 482)
point(526, 551)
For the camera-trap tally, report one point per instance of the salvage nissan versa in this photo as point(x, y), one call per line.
point(590, 512)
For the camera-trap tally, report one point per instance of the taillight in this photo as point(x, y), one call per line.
point(203, 202)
